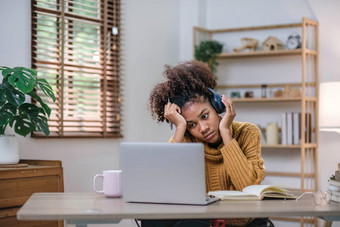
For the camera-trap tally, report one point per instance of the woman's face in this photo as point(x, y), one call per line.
point(202, 121)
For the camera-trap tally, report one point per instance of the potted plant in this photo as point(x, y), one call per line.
point(24, 117)
point(207, 52)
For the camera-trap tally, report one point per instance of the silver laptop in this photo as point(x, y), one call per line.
point(164, 173)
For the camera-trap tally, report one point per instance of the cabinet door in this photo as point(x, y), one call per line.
point(15, 191)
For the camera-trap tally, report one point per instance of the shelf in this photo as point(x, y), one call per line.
point(247, 100)
point(307, 82)
point(297, 146)
point(233, 86)
point(265, 53)
point(286, 174)
point(266, 27)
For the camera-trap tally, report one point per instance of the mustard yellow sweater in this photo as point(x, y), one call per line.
point(235, 165)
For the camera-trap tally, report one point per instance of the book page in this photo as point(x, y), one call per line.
point(233, 195)
point(259, 189)
point(271, 191)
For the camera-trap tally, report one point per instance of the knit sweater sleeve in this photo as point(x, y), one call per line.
point(242, 158)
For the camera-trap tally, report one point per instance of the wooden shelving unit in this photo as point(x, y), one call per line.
point(308, 85)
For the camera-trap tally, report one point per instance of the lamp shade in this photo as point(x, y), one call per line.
point(329, 108)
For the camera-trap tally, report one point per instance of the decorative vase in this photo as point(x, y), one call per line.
point(9, 149)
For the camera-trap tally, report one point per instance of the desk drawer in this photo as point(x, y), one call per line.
point(15, 191)
point(8, 218)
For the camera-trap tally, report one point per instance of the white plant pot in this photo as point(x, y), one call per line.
point(9, 149)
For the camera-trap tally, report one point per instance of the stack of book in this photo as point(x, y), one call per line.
point(334, 190)
point(334, 186)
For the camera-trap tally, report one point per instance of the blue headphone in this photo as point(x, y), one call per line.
point(216, 101)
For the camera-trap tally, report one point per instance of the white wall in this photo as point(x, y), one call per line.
point(157, 33)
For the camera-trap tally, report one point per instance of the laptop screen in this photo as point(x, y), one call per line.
point(163, 172)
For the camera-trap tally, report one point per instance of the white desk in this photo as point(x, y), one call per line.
point(84, 208)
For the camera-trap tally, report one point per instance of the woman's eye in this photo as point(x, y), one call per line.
point(192, 125)
point(205, 116)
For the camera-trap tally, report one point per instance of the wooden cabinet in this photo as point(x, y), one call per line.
point(18, 184)
point(304, 79)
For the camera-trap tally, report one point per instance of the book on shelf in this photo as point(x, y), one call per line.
point(284, 129)
point(291, 128)
point(296, 127)
point(254, 192)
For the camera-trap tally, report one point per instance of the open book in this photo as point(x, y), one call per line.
point(254, 192)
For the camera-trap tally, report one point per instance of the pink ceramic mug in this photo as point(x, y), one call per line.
point(112, 183)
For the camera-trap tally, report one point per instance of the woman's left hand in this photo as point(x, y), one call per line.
point(229, 116)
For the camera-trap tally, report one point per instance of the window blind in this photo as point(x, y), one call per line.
point(75, 47)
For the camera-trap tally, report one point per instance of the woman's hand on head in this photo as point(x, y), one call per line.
point(172, 112)
point(229, 116)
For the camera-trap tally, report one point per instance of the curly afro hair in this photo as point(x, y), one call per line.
point(188, 81)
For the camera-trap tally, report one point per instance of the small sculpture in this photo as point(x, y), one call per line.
point(288, 92)
point(272, 44)
point(248, 43)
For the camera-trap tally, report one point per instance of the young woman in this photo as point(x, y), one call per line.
point(232, 149)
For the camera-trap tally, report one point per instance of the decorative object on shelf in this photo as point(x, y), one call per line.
point(264, 90)
point(15, 112)
point(207, 52)
point(247, 43)
point(249, 94)
point(291, 92)
point(278, 93)
point(235, 94)
point(329, 111)
point(272, 44)
point(293, 41)
point(288, 92)
point(272, 133)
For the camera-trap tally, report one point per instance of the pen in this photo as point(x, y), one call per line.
point(171, 125)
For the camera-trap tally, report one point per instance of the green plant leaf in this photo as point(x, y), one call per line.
point(35, 115)
point(2, 129)
point(29, 109)
point(47, 110)
point(46, 88)
point(10, 94)
point(41, 123)
point(6, 71)
point(23, 78)
point(23, 126)
point(5, 117)
point(9, 108)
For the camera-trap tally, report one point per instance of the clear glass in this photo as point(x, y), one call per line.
point(320, 198)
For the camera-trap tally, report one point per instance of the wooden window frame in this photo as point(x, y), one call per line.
point(67, 121)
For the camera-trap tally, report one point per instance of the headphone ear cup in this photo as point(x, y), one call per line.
point(216, 101)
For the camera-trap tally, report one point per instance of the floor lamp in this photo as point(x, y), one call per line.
point(329, 109)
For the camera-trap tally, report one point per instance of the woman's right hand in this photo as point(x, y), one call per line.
point(172, 112)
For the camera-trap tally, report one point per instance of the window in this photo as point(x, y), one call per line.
point(75, 47)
